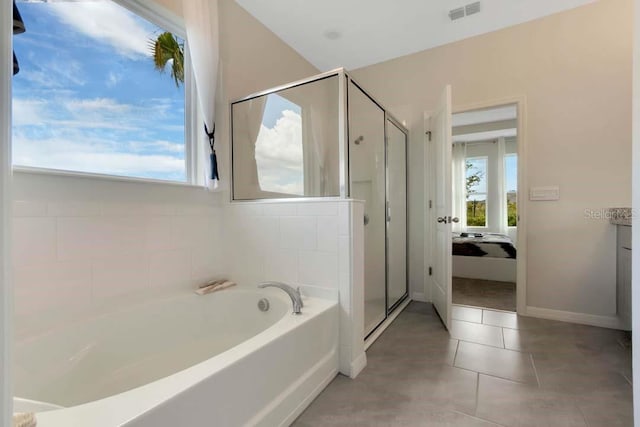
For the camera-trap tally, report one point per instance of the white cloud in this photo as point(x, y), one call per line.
point(113, 79)
point(99, 105)
point(55, 74)
point(163, 146)
point(279, 155)
point(108, 23)
point(92, 155)
point(28, 112)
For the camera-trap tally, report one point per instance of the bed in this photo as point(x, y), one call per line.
point(487, 256)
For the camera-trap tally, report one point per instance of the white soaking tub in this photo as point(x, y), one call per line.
point(188, 360)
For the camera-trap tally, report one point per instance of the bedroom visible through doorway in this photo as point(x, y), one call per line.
point(485, 200)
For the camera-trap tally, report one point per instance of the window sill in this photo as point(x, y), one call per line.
point(101, 177)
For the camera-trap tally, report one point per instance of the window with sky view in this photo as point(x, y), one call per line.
point(88, 98)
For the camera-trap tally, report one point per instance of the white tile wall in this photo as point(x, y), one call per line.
point(293, 242)
point(70, 257)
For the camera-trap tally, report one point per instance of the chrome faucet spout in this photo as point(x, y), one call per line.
point(293, 293)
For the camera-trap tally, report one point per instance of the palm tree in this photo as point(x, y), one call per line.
point(167, 48)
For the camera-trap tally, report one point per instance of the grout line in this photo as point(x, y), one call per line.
point(504, 343)
point(455, 354)
point(584, 418)
point(475, 411)
point(535, 371)
point(493, 423)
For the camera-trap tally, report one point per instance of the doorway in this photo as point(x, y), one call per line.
point(485, 193)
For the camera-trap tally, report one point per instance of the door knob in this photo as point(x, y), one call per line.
point(454, 219)
point(442, 219)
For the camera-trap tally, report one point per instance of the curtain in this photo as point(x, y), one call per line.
point(459, 181)
point(253, 122)
point(18, 28)
point(201, 22)
point(313, 153)
point(501, 208)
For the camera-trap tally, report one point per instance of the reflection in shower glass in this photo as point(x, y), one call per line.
point(279, 157)
point(285, 144)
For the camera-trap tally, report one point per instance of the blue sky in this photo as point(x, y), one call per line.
point(480, 165)
point(88, 98)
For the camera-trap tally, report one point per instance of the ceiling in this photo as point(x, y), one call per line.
point(357, 33)
point(485, 124)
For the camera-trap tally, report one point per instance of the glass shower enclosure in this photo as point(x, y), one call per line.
point(325, 136)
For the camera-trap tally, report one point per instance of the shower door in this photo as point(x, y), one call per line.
point(367, 182)
point(396, 214)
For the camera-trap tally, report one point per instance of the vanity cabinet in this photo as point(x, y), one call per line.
point(623, 276)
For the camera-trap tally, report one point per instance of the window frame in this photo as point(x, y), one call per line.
point(166, 20)
point(505, 191)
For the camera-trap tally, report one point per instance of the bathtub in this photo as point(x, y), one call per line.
point(187, 360)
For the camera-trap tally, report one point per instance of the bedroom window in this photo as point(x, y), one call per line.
point(511, 188)
point(476, 189)
point(89, 97)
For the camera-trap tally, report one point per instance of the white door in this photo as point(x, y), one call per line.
point(439, 124)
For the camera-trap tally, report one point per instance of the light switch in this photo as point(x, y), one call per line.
point(544, 193)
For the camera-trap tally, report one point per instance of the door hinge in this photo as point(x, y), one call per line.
point(430, 271)
point(428, 133)
point(430, 204)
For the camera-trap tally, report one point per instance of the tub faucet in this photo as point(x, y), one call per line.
point(296, 299)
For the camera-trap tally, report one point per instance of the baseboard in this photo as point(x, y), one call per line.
point(419, 296)
point(358, 365)
point(611, 322)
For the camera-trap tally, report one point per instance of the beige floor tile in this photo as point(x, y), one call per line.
point(611, 408)
point(409, 379)
point(540, 340)
point(413, 416)
point(476, 332)
point(515, 404)
point(449, 388)
point(468, 314)
point(500, 318)
point(508, 364)
point(576, 375)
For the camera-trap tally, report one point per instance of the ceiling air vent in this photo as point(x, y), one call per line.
point(472, 8)
point(461, 12)
point(456, 13)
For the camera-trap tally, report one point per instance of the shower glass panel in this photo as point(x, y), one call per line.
point(367, 179)
point(396, 214)
point(285, 143)
point(325, 136)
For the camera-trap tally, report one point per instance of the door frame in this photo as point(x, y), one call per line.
point(429, 190)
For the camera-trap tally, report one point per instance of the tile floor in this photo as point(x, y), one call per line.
point(495, 369)
point(484, 293)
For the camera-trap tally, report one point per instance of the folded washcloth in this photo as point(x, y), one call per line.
point(21, 419)
point(216, 286)
point(213, 282)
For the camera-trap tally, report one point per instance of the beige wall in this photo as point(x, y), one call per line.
point(252, 58)
point(574, 69)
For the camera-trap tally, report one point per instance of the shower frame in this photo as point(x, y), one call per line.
point(344, 174)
